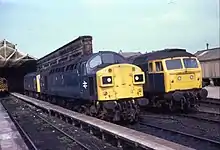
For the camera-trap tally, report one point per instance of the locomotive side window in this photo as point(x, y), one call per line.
point(190, 63)
point(174, 64)
point(159, 66)
point(150, 67)
point(95, 61)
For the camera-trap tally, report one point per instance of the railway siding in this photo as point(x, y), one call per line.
point(121, 133)
point(9, 135)
point(47, 132)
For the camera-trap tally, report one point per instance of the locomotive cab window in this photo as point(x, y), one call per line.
point(108, 58)
point(174, 64)
point(96, 61)
point(159, 66)
point(119, 59)
point(190, 63)
point(150, 68)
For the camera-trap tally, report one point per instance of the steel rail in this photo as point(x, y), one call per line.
point(30, 144)
point(182, 133)
point(199, 118)
point(60, 130)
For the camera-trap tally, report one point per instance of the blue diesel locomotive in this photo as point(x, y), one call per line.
point(101, 84)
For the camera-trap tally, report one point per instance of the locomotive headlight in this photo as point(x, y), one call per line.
point(138, 78)
point(179, 78)
point(107, 80)
point(191, 77)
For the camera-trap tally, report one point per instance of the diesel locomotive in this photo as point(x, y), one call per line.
point(103, 85)
point(174, 78)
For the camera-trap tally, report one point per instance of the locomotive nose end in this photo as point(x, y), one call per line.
point(203, 93)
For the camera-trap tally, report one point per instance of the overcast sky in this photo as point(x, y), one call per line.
point(41, 26)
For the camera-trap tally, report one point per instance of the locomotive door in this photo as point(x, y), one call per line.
point(35, 84)
point(159, 77)
point(83, 80)
point(150, 77)
point(45, 83)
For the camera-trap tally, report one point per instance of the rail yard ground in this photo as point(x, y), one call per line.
point(46, 132)
point(198, 130)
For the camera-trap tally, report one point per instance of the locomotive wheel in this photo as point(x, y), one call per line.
point(130, 112)
point(116, 117)
point(134, 118)
point(171, 106)
point(84, 110)
point(63, 103)
point(93, 110)
point(102, 114)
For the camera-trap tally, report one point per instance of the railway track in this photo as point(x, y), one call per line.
point(212, 101)
point(187, 135)
point(119, 137)
point(205, 116)
point(192, 131)
point(24, 135)
point(41, 132)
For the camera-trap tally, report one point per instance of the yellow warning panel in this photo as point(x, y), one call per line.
point(38, 82)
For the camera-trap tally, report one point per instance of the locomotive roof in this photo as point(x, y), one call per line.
point(85, 58)
point(31, 74)
point(163, 54)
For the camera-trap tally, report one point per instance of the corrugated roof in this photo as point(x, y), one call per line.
point(129, 54)
point(208, 54)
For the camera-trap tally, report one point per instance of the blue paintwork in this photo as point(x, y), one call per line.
point(29, 82)
point(155, 83)
point(159, 86)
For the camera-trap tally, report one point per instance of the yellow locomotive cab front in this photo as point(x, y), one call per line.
point(120, 81)
point(183, 78)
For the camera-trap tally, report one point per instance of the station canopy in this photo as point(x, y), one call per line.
point(10, 56)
